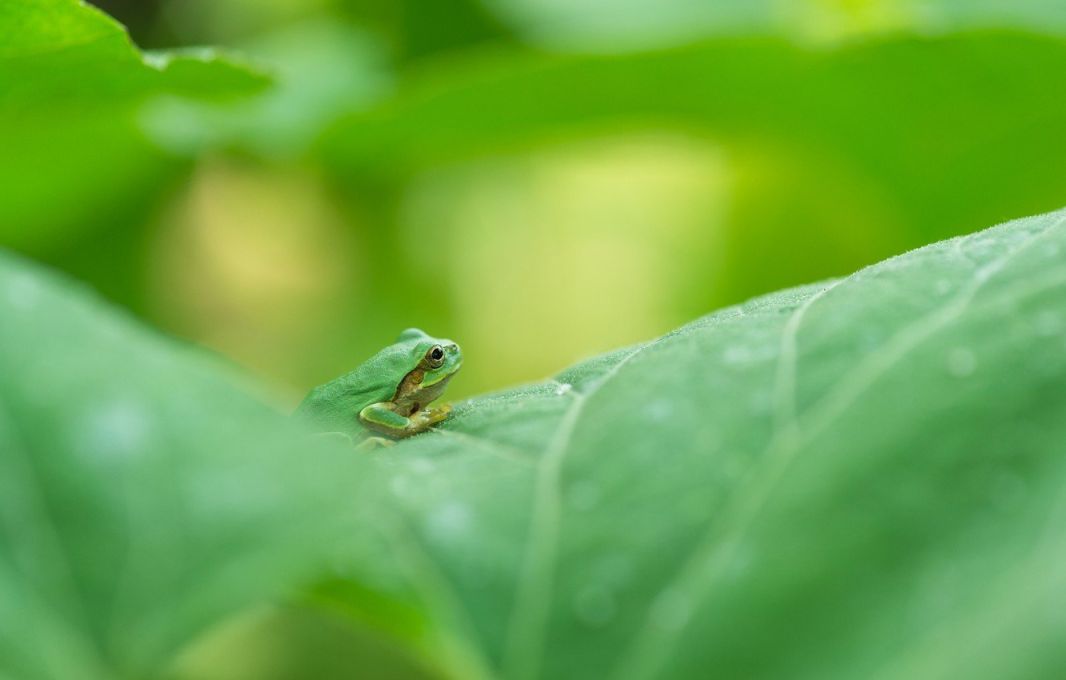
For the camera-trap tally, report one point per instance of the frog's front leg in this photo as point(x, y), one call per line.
point(382, 418)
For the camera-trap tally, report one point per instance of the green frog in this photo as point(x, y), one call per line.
point(388, 397)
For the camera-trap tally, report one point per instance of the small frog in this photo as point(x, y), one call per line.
point(387, 395)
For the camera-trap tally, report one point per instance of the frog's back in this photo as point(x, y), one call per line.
point(335, 406)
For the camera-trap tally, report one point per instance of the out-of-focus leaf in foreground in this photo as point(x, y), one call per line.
point(70, 83)
point(143, 494)
point(861, 478)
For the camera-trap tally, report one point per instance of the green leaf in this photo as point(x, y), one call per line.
point(624, 24)
point(860, 478)
point(908, 130)
point(144, 495)
point(322, 69)
point(70, 86)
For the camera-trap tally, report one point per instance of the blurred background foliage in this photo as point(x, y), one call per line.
point(539, 179)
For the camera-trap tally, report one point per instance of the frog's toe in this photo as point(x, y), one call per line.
point(436, 415)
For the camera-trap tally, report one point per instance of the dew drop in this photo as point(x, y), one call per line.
point(670, 610)
point(659, 410)
point(402, 487)
point(563, 388)
point(450, 520)
point(117, 430)
point(943, 287)
point(595, 605)
point(961, 362)
point(737, 354)
point(422, 466)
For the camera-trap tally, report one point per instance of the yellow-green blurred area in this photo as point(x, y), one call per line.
point(540, 180)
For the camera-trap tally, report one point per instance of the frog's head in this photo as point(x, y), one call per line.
point(439, 359)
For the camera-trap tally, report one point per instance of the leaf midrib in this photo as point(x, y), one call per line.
point(645, 655)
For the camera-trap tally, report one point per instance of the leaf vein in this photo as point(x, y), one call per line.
point(711, 556)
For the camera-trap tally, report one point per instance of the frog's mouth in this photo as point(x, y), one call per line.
point(437, 387)
point(444, 377)
point(442, 381)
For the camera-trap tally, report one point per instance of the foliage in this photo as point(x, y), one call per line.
point(875, 457)
point(856, 478)
point(925, 118)
point(71, 82)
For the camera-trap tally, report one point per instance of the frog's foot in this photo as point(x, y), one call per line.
point(373, 443)
point(429, 417)
point(382, 419)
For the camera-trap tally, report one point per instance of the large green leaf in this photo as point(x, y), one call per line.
point(70, 84)
point(143, 494)
point(857, 478)
point(853, 479)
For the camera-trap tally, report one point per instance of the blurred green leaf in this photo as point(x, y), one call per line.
point(924, 136)
point(863, 476)
point(416, 29)
point(322, 70)
point(144, 495)
point(70, 84)
point(620, 25)
point(287, 643)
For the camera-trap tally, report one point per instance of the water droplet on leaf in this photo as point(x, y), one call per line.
point(961, 362)
point(401, 487)
point(450, 520)
point(659, 410)
point(737, 354)
point(116, 430)
point(422, 466)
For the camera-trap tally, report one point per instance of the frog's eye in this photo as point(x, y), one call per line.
point(435, 356)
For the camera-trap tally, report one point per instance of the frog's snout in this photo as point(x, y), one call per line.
point(457, 356)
